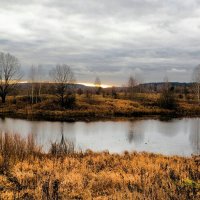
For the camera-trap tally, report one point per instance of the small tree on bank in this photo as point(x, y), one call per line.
point(114, 92)
point(167, 98)
point(97, 84)
point(10, 74)
point(35, 81)
point(196, 80)
point(32, 81)
point(131, 86)
point(63, 77)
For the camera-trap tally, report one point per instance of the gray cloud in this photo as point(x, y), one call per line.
point(111, 39)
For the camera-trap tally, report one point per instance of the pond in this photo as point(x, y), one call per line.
point(174, 137)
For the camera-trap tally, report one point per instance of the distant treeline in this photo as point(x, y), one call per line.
point(64, 86)
point(156, 87)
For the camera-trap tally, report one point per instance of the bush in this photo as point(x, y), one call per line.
point(63, 148)
point(167, 100)
point(70, 101)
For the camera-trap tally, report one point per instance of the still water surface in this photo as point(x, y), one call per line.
point(174, 137)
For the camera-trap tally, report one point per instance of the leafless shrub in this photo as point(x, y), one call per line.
point(65, 147)
point(14, 148)
point(10, 74)
point(196, 80)
point(63, 77)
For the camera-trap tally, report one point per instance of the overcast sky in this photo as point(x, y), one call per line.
point(108, 38)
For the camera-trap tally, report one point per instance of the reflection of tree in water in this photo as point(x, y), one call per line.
point(195, 135)
point(169, 128)
point(130, 136)
point(135, 134)
point(1, 125)
point(64, 147)
point(64, 138)
point(34, 129)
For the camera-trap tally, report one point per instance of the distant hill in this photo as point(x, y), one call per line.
point(157, 86)
point(175, 84)
point(144, 87)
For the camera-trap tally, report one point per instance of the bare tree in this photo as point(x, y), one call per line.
point(63, 77)
point(36, 85)
point(167, 98)
point(97, 84)
point(132, 82)
point(196, 80)
point(32, 80)
point(9, 74)
point(40, 80)
point(114, 92)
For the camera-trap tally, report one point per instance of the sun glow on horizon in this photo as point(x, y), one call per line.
point(92, 85)
point(82, 83)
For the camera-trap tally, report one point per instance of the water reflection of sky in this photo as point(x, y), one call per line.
point(175, 137)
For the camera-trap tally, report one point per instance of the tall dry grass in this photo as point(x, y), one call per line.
point(14, 148)
point(62, 148)
point(92, 175)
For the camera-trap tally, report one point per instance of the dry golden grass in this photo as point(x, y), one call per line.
point(106, 176)
point(97, 107)
point(94, 107)
point(92, 175)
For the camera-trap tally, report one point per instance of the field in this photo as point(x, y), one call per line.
point(28, 173)
point(95, 107)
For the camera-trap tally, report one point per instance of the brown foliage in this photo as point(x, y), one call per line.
point(99, 176)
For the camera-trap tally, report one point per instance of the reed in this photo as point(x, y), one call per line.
point(14, 148)
point(64, 173)
point(62, 148)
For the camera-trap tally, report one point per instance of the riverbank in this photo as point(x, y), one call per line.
point(95, 108)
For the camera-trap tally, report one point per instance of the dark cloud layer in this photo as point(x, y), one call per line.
point(111, 39)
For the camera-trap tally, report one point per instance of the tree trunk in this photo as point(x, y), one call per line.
point(62, 101)
point(3, 98)
point(32, 92)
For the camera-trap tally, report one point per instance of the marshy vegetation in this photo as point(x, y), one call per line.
point(94, 107)
point(63, 99)
point(26, 172)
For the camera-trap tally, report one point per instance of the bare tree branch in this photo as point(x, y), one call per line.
point(132, 82)
point(196, 80)
point(10, 74)
point(63, 76)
